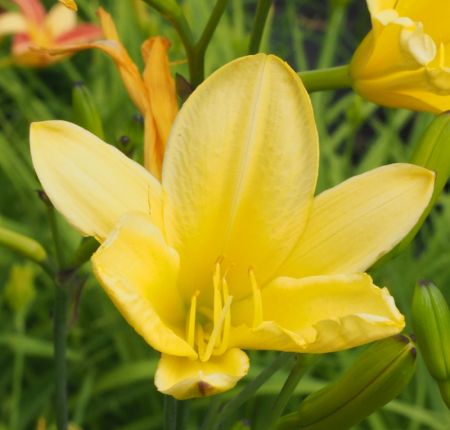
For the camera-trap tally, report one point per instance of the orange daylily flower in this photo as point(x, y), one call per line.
point(33, 28)
point(152, 91)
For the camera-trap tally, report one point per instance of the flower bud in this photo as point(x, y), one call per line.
point(19, 290)
point(431, 323)
point(403, 61)
point(378, 375)
point(85, 112)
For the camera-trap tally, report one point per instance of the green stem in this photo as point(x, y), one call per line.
point(299, 369)
point(19, 361)
point(202, 44)
point(60, 327)
point(172, 11)
point(332, 78)
point(59, 254)
point(170, 413)
point(250, 389)
point(262, 11)
point(83, 253)
point(60, 344)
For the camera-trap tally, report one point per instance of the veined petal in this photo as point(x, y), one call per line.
point(353, 224)
point(239, 172)
point(317, 314)
point(33, 10)
point(139, 273)
point(90, 182)
point(12, 23)
point(184, 378)
point(161, 89)
point(60, 19)
point(82, 33)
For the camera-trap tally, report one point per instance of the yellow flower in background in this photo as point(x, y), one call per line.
point(405, 60)
point(153, 92)
point(231, 250)
point(35, 30)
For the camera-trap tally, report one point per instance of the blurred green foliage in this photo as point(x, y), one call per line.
point(110, 367)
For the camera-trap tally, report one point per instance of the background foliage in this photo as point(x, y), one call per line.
point(110, 367)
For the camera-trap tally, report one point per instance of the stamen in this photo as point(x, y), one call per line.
point(191, 321)
point(216, 331)
point(217, 299)
point(257, 301)
point(227, 323)
point(200, 340)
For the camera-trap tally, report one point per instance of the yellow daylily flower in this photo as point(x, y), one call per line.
point(153, 92)
point(231, 250)
point(405, 60)
point(36, 31)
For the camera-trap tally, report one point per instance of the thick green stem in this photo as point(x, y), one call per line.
point(83, 253)
point(332, 78)
point(262, 11)
point(201, 46)
point(170, 413)
point(195, 51)
point(250, 389)
point(300, 367)
point(172, 11)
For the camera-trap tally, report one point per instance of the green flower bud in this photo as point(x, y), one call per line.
point(85, 112)
point(378, 375)
point(19, 290)
point(431, 323)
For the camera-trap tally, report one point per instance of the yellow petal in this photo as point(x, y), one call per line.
point(184, 378)
point(317, 314)
point(353, 224)
point(376, 6)
point(161, 89)
point(60, 20)
point(139, 272)
point(239, 172)
point(90, 182)
point(12, 23)
point(434, 18)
